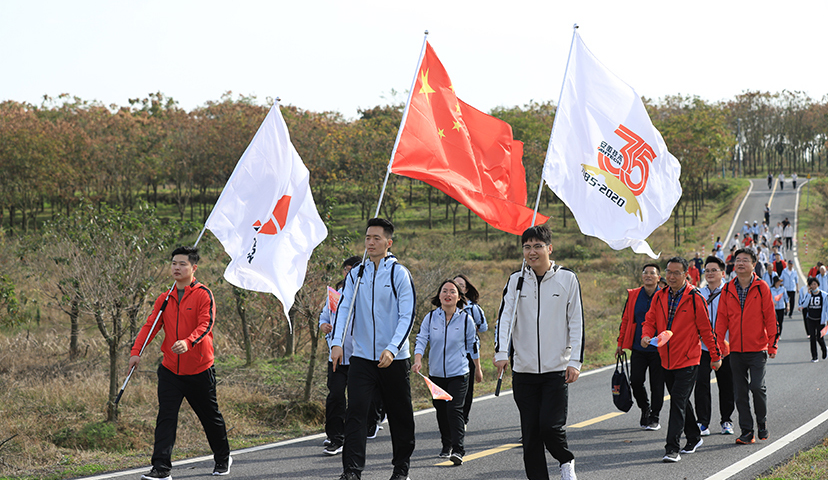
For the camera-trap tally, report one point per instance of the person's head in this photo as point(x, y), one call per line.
point(718, 239)
point(736, 235)
point(822, 270)
point(813, 283)
point(745, 261)
point(183, 264)
point(467, 288)
point(650, 275)
point(537, 247)
point(790, 265)
point(676, 272)
point(714, 270)
point(379, 236)
point(350, 263)
point(777, 282)
point(662, 283)
point(448, 296)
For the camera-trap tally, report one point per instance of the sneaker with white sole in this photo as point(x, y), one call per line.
point(691, 447)
point(671, 457)
point(704, 430)
point(332, 449)
point(155, 474)
point(568, 471)
point(727, 428)
point(376, 431)
point(456, 458)
point(222, 469)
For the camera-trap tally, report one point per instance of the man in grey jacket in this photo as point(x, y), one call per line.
point(546, 342)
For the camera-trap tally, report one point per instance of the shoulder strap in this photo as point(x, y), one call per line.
point(713, 297)
point(393, 286)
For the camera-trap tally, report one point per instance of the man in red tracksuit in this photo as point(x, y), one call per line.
point(683, 311)
point(746, 311)
point(187, 369)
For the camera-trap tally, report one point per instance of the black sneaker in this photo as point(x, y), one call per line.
point(690, 447)
point(349, 476)
point(222, 469)
point(156, 474)
point(763, 432)
point(332, 449)
point(645, 418)
point(456, 458)
point(671, 457)
point(746, 438)
point(653, 425)
point(399, 476)
point(445, 452)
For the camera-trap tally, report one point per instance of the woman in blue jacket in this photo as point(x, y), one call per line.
point(479, 318)
point(780, 301)
point(815, 304)
point(449, 332)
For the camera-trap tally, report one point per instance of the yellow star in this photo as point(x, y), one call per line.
point(457, 107)
point(426, 88)
point(456, 126)
point(440, 133)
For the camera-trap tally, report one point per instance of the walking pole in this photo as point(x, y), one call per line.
point(384, 184)
point(519, 286)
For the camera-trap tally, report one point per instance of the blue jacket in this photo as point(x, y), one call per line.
point(789, 279)
point(449, 342)
point(479, 319)
point(383, 313)
point(712, 307)
point(779, 305)
point(347, 345)
point(805, 300)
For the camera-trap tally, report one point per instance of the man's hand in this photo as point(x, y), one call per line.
point(645, 342)
point(133, 362)
point(716, 365)
point(478, 375)
point(501, 365)
point(772, 355)
point(326, 328)
point(180, 347)
point(386, 358)
point(416, 366)
point(572, 374)
point(336, 356)
point(618, 351)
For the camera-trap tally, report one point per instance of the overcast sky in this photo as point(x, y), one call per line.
point(345, 55)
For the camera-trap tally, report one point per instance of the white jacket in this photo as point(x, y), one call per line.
point(548, 334)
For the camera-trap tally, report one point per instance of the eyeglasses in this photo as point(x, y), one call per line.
point(743, 260)
point(714, 270)
point(536, 247)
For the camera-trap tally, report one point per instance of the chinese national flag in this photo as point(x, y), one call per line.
point(466, 154)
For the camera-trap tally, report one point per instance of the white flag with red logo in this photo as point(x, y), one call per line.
point(607, 161)
point(266, 218)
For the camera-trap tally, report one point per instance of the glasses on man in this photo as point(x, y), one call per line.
point(712, 270)
point(535, 246)
point(674, 273)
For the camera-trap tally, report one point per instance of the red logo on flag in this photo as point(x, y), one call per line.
point(279, 214)
point(635, 155)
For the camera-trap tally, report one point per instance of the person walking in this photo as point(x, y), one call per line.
point(642, 359)
point(790, 281)
point(780, 302)
point(186, 371)
point(793, 180)
point(681, 310)
point(337, 383)
point(479, 318)
point(781, 181)
point(770, 180)
point(788, 233)
point(449, 333)
point(815, 305)
point(547, 355)
point(714, 270)
point(381, 322)
point(746, 313)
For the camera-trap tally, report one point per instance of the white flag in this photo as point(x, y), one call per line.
point(607, 161)
point(266, 218)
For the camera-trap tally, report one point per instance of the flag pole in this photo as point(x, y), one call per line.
point(535, 214)
point(385, 181)
point(169, 292)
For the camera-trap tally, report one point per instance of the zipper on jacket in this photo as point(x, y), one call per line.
point(177, 319)
point(537, 294)
point(445, 342)
point(373, 320)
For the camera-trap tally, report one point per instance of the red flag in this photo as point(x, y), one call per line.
point(437, 393)
point(466, 154)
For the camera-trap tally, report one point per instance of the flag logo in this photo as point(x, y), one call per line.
point(280, 213)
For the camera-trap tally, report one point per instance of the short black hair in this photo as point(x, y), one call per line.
point(191, 252)
point(814, 280)
point(680, 260)
point(461, 299)
point(654, 265)
point(471, 291)
point(386, 225)
point(540, 232)
point(746, 251)
point(714, 259)
point(352, 261)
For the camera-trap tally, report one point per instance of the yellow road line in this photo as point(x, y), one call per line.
point(484, 453)
point(770, 201)
point(595, 420)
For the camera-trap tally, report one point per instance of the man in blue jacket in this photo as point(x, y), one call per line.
point(380, 298)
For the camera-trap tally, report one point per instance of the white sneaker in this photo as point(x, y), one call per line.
point(727, 428)
point(568, 471)
point(704, 430)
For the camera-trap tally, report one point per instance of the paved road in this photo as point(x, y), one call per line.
point(607, 444)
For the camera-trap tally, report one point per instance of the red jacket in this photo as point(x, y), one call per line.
point(191, 318)
point(690, 321)
point(626, 332)
point(754, 328)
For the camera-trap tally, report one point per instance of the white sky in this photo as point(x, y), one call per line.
point(343, 55)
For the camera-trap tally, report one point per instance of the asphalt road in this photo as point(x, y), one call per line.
point(607, 443)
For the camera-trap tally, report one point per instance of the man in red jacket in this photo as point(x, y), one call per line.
point(187, 368)
point(683, 311)
point(746, 311)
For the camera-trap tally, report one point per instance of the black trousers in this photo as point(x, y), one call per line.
point(450, 414)
point(543, 402)
point(336, 406)
point(780, 317)
point(680, 384)
point(640, 363)
point(788, 243)
point(791, 298)
point(200, 392)
point(814, 328)
point(365, 380)
point(469, 391)
point(724, 379)
point(749, 376)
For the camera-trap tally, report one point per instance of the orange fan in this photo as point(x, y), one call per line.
point(662, 338)
point(824, 330)
point(437, 393)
